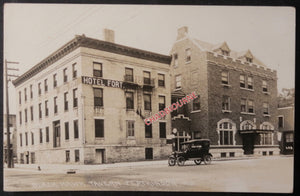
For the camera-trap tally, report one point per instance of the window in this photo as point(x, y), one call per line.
point(243, 105)
point(147, 102)
point(66, 101)
point(76, 133)
point(175, 56)
point(264, 86)
point(148, 131)
point(32, 138)
point(225, 53)
point(146, 77)
point(20, 139)
point(225, 77)
point(250, 106)
point(20, 97)
point(55, 105)
point(32, 156)
point(162, 102)
point(128, 74)
point(25, 115)
point(56, 134)
point(188, 53)
point(161, 80)
point(31, 92)
point(31, 113)
point(40, 110)
point(266, 139)
point(130, 128)
point(39, 88)
point(289, 137)
point(162, 130)
point(265, 108)
point(41, 136)
point(98, 97)
point(74, 70)
point(242, 81)
point(46, 85)
point(250, 82)
point(25, 95)
point(67, 156)
point(197, 135)
point(76, 155)
point(148, 153)
point(178, 82)
point(129, 100)
point(26, 139)
point(67, 130)
point(226, 133)
point(20, 117)
point(75, 99)
point(97, 69)
point(196, 104)
point(54, 80)
point(280, 122)
point(65, 75)
point(47, 134)
point(46, 108)
point(225, 103)
point(249, 59)
point(99, 128)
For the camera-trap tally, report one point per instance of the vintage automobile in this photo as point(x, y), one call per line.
point(196, 150)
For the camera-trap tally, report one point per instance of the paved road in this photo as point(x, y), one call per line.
point(267, 174)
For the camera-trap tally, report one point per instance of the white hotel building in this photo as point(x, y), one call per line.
point(87, 102)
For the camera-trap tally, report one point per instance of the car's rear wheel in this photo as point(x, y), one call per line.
point(207, 159)
point(172, 161)
point(180, 161)
point(198, 161)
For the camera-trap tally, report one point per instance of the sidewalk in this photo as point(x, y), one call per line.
point(63, 168)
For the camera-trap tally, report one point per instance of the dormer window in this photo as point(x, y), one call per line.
point(249, 60)
point(225, 53)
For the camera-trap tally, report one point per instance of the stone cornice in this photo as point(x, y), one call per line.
point(82, 41)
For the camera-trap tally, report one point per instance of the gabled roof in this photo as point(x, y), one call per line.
point(205, 46)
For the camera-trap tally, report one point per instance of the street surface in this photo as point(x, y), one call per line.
point(265, 174)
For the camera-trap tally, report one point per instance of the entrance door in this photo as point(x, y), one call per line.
point(149, 153)
point(248, 143)
point(99, 156)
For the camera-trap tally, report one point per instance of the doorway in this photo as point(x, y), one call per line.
point(149, 153)
point(248, 143)
point(99, 159)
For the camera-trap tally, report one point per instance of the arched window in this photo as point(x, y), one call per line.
point(247, 125)
point(226, 130)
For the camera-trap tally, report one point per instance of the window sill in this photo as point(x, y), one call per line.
point(266, 115)
point(226, 85)
point(195, 111)
point(188, 62)
point(162, 86)
point(248, 113)
point(266, 93)
point(130, 110)
point(177, 89)
point(247, 89)
point(226, 111)
point(130, 137)
point(99, 138)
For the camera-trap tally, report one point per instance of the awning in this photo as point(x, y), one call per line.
point(255, 131)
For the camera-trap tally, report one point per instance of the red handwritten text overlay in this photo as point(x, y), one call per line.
point(167, 110)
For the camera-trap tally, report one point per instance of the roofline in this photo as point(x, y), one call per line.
point(82, 41)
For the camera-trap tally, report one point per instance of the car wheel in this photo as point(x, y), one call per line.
point(172, 161)
point(198, 161)
point(180, 161)
point(207, 159)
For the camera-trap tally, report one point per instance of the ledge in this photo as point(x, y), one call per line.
point(226, 85)
point(196, 111)
point(266, 93)
point(248, 113)
point(226, 111)
point(266, 115)
point(247, 89)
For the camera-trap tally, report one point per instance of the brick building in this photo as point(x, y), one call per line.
point(237, 106)
point(87, 102)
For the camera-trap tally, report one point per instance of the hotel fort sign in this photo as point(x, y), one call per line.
point(101, 82)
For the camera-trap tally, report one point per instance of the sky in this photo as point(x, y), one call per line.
point(33, 31)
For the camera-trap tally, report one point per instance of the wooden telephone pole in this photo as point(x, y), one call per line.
point(9, 152)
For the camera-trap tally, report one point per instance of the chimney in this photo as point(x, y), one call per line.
point(109, 35)
point(182, 32)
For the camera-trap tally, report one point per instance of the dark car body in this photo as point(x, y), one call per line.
point(197, 150)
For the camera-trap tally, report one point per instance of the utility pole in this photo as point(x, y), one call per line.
point(9, 153)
